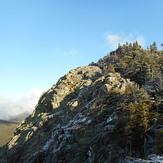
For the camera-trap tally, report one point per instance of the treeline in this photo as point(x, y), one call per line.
point(142, 104)
point(143, 66)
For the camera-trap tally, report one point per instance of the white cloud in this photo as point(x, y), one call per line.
point(112, 40)
point(70, 53)
point(22, 104)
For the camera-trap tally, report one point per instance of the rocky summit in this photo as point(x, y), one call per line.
point(101, 113)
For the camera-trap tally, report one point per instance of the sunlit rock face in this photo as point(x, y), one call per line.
point(86, 117)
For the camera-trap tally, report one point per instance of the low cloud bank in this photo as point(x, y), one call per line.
point(23, 104)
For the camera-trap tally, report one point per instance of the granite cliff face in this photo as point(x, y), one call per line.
point(89, 116)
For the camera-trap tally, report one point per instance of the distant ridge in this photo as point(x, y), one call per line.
point(18, 118)
point(7, 122)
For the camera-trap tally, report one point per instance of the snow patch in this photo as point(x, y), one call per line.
point(112, 117)
point(62, 133)
point(151, 159)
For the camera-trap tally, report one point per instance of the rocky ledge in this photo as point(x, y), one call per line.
point(85, 117)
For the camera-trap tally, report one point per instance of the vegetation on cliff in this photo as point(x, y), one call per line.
point(144, 106)
point(97, 113)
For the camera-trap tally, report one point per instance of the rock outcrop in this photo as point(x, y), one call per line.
point(89, 117)
point(71, 120)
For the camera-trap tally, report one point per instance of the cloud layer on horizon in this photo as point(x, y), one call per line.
point(25, 103)
point(112, 40)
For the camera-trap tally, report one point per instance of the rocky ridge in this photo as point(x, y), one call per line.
point(89, 116)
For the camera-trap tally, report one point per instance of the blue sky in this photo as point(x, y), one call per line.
point(42, 40)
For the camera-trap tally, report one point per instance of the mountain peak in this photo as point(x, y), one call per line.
point(97, 113)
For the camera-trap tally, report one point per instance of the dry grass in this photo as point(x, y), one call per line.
point(6, 131)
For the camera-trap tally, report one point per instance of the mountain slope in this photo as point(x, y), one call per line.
point(97, 113)
point(7, 129)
